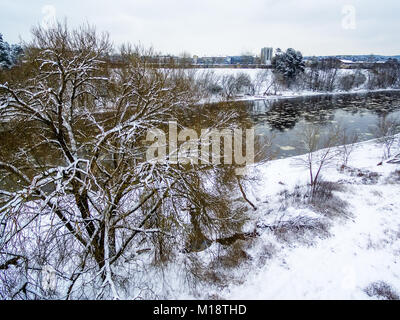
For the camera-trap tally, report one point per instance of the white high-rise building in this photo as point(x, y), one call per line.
point(266, 55)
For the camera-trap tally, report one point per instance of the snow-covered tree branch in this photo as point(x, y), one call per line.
point(76, 192)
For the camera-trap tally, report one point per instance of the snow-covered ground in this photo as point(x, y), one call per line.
point(363, 245)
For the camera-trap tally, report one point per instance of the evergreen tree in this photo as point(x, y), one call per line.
point(9, 55)
point(288, 64)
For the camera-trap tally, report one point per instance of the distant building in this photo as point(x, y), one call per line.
point(266, 55)
point(241, 60)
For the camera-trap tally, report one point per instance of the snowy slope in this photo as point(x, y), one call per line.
point(346, 253)
point(362, 248)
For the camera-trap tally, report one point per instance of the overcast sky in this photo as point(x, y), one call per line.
point(225, 27)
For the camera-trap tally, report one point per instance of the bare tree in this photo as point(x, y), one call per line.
point(229, 88)
point(322, 74)
point(385, 130)
point(320, 151)
point(208, 83)
point(234, 85)
point(384, 75)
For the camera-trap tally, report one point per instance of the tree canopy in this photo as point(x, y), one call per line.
point(288, 64)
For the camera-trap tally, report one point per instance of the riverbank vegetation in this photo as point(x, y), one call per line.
point(77, 194)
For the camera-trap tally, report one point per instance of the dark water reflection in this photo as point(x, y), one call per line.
point(285, 119)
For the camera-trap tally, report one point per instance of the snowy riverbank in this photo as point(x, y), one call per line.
point(356, 257)
point(262, 80)
point(346, 246)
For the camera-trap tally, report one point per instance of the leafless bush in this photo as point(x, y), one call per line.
point(233, 85)
point(394, 177)
point(384, 75)
point(362, 176)
point(324, 201)
point(352, 81)
point(260, 80)
point(244, 84)
point(276, 84)
point(324, 191)
point(235, 255)
point(382, 290)
point(321, 199)
point(348, 142)
point(80, 195)
point(302, 229)
point(268, 251)
point(228, 84)
point(201, 272)
point(321, 75)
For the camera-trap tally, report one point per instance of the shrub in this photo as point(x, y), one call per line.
point(381, 290)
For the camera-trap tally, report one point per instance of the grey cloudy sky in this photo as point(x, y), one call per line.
point(225, 27)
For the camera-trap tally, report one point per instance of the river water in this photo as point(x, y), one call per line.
point(284, 120)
